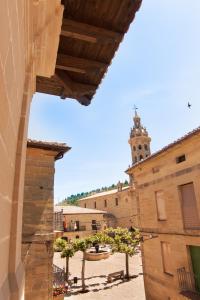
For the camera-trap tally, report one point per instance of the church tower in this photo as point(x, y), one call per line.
point(139, 140)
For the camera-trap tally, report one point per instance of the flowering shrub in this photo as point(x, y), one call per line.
point(58, 290)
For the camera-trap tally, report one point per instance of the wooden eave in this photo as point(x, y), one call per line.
point(90, 35)
point(59, 148)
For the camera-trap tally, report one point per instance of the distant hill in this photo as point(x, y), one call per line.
point(72, 200)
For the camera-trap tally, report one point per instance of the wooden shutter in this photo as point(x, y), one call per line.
point(189, 207)
point(166, 257)
point(160, 202)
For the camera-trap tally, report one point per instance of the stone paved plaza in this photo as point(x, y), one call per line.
point(96, 278)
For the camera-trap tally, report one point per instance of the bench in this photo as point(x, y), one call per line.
point(115, 275)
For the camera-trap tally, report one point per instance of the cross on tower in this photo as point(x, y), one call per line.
point(135, 108)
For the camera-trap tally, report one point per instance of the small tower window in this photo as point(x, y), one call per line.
point(134, 149)
point(95, 204)
point(140, 147)
point(116, 202)
point(141, 157)
point(135, 158)
point(180, 159)
point(147, 155)
point(146, 147)
point(105, 203)
point(85, 205)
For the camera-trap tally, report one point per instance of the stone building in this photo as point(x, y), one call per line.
point(58, 47)
point(78, 222)
point(118, 203)
point(168, 198)
point(121, 202)
point(37, 223)
point(139, 140)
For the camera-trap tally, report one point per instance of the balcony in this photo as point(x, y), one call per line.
point(74, 229)
point(189, 284)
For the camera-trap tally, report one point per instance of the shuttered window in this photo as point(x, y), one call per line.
point(189, 207)
point(167, 257)
point(160, 203)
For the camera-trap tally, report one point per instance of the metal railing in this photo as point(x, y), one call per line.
point(188, 281)
point(58, 276)
point(58, 221)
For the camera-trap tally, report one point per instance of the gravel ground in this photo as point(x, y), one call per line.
point(96, 278)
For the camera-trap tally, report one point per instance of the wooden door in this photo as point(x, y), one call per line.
point(195, 258)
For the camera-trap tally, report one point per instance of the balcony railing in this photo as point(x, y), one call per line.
point(58, 220)
point(58, 276)
point(71, 229)
point(188, 282)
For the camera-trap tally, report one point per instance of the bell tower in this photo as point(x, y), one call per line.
point(139, 140)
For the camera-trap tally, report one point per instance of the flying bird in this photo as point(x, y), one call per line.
point(189, 105)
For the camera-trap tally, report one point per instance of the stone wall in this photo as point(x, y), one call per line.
point(24, 39)
point(162, 172)
point(37, 233)
point(126, 210)
point(85, 221)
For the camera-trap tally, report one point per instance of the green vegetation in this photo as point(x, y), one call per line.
point(120, 240)
point(72, 200)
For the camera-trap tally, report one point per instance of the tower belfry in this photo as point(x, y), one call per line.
point(139, 140)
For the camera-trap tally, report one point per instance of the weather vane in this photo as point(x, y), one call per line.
point(135, 108)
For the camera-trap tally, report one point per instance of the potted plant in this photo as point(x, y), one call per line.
point(59, 292)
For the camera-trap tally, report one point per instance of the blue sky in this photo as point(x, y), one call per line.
point(157, 68)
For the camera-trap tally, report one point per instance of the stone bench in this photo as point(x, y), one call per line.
point(115, 275)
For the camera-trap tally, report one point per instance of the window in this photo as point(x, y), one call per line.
point(116, 201)
point(189, 206)
point(180, 159)
point(134, 149)
point(94, 224)
point(85, 205)
point(160, 203)
point(146, 147)
point(95, 204)
point(140, 147)
point(147, 155)
point(166, 257)
point(141, 157)
point(135, 158)
point(105, 203)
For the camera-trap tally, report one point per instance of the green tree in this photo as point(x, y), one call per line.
point(82, 245)
point(59, 245)
point(66, 253)
point(124, 241)
point(67, 250)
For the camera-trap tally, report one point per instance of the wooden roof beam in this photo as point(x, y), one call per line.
point(78, 65)
point(73, 89)
point(89, 33)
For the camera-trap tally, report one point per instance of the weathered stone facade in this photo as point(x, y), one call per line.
point(30, 35)
point(118, 203)
point(80, 222)
point(37, 230)
point(168, 193)
point(24, 53)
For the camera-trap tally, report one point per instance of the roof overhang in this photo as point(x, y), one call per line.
point(59, 148)
point(90, 35)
